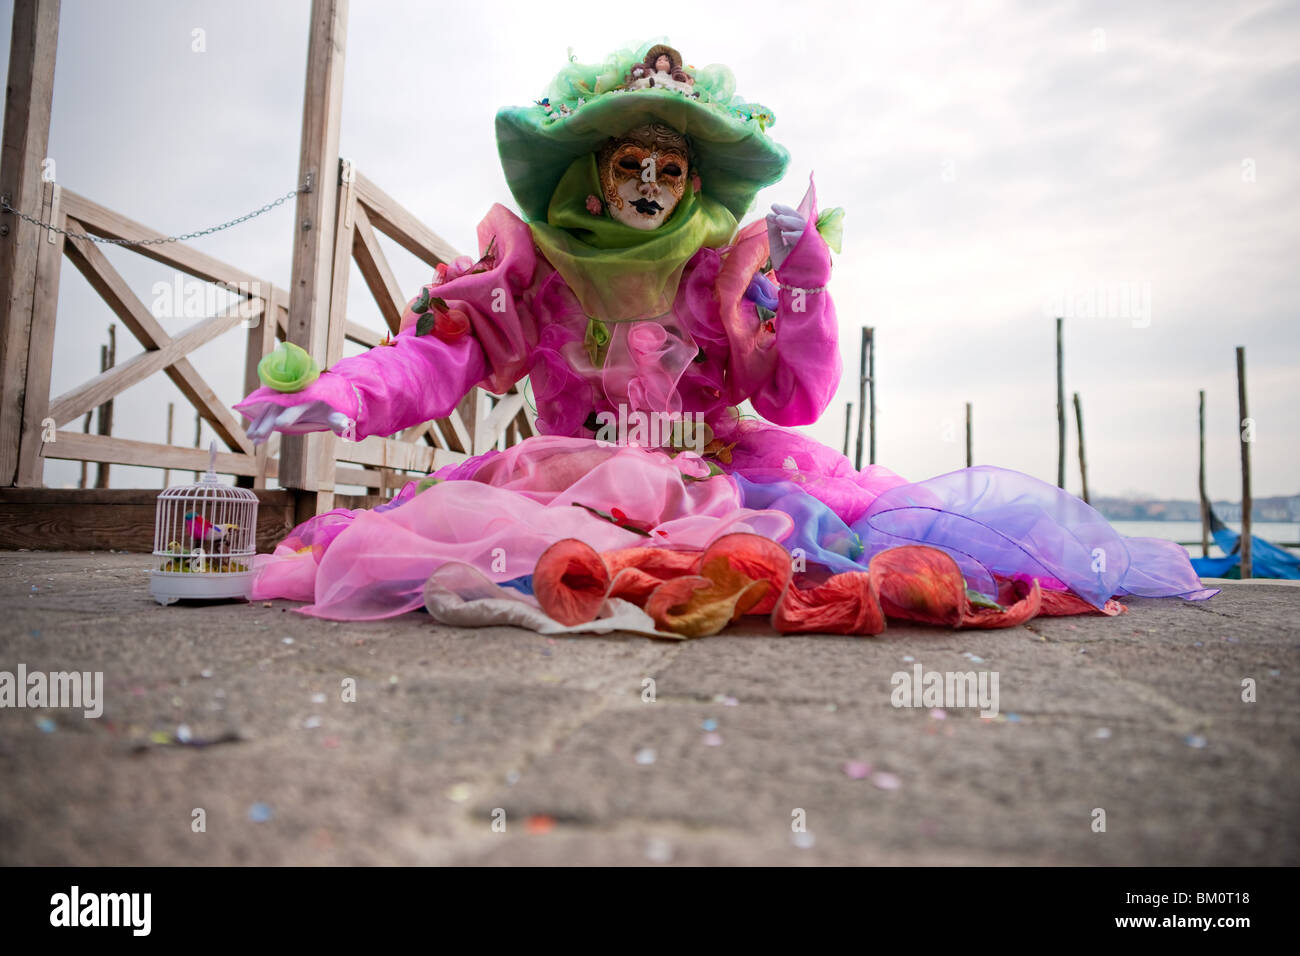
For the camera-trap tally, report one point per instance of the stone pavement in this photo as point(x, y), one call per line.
point(1141, 716)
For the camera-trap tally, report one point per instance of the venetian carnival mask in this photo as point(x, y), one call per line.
point(643, 175)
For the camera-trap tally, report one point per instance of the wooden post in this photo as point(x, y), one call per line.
point(107, 359)
point(1246, 434)
point(32, 47)
point(1060, 404)
point(171, 419)
point(36, 426)
point(969, 439)
point(871, 392)
point(862, 396)
point(307, 461)
point(85, 428)
point(1083, 461)
point(198, 436)
point(848, 421)
point(1205, 500)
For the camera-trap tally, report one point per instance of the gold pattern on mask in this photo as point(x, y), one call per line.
point(655, 157)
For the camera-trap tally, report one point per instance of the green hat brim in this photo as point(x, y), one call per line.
point(733, 156)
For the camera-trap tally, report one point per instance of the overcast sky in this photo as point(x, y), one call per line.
point(996, 160)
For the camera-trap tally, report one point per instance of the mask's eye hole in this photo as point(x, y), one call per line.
point(672, 169)
point(630, 164)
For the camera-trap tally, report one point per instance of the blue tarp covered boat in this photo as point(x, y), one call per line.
point(1267, 560)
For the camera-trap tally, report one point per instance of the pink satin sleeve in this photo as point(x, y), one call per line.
point(419, 378)
point(389, 387)
point(497, 300)
point(807, 370)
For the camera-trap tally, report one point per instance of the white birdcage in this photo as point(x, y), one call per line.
point(205, 536)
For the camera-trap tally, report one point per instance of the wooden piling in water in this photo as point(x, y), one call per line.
point(848, 420)
point(862, 395)
point(968, 434)
point(1246, 434)
point(1060, 404)
point(871, 393)
point(1083, 461)
point(1205, 500)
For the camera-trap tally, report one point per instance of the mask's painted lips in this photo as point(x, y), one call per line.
point(647, 207)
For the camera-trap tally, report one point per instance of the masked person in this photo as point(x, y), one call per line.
point(643, 316)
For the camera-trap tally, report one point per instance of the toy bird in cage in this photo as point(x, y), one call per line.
point(209, 529)
point(201, 530)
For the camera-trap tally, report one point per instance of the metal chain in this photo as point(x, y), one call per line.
point(4, 204)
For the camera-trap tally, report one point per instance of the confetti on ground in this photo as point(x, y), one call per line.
point(159, 737)
point(47, 726)
point(1013, 717)
point(259, 813)
point(512, 778)
point(1103, 733)
point(658, 850)
point(184, 734)
point(804, 840)
point(857, 770)
point(713, 740)
point(1274, 672)
point(938, 713)
point(205, 673)
point(974, 658)
point(330, 742)
point(311, 723)
point(724, 700)
point(318, 698)
point(646, 756)
point(908, 658)
point(458, 792)
point(885, 781)
point(286, 640)
point(831, 708)
point(539, 823)
point(710, 724)
point(1195, 741)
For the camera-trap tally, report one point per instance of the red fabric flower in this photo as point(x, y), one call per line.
point(695, 593)
point(450, 325)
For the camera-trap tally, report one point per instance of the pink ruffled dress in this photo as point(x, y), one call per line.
point(732, 335)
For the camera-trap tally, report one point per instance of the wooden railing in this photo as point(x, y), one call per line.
point(379, 464)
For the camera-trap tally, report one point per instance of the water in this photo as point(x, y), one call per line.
point(1278, 532)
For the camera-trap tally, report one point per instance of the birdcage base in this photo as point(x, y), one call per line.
point(168, 587)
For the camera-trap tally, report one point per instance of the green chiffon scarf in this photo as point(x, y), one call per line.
point(618, 273)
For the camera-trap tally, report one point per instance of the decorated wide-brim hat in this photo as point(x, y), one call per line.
point(586, 104)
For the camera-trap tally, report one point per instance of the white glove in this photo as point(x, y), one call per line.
point(307, 417)
point(785, 226)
